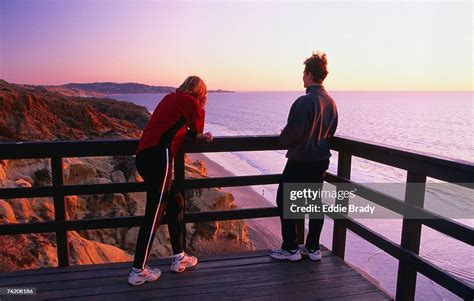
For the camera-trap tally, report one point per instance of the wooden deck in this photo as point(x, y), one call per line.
point(248, 276)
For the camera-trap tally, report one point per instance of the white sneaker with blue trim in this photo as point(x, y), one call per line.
point(314, 255)
point(182, 261)
point(148, 274)
point(280, 254)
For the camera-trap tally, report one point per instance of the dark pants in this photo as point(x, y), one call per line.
point(301, 172)
point(155, 167)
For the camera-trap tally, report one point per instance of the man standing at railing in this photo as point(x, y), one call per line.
point(312, 122)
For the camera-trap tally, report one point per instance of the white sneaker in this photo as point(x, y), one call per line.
point(280, 254)
point(146, 275)
point(182, 261)
point(312, 254)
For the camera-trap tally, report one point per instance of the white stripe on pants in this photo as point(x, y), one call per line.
point(156, 212)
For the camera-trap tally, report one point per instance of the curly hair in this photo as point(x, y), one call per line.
point(194, 86)
point(316, 64)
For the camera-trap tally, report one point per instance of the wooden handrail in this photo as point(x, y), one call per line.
point(418, 167)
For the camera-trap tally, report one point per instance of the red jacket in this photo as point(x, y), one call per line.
point(176, 116)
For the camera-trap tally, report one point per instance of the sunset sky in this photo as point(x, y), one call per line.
point(243, 46)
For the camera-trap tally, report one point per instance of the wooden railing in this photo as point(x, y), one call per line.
point(418, 168)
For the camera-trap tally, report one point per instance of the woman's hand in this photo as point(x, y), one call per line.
point(207, 137)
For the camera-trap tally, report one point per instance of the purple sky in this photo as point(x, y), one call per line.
point(396, 45)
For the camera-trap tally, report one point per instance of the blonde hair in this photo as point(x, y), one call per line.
point(194, 86)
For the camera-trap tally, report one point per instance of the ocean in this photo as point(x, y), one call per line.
point(433, 123)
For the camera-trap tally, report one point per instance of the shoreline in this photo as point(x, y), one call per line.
point(264, 232)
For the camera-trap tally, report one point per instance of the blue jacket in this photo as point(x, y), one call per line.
point(312, 122)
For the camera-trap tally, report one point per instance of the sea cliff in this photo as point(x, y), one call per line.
point(33, 114)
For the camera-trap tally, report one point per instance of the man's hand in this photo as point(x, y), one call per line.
point(207, 137)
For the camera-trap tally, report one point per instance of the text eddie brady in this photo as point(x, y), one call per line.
point(300, 199)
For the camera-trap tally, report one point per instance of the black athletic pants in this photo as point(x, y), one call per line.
point(155, 166)
point(301, 172)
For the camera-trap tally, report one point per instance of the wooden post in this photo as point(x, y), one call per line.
point(344, 163)
point(62, 243)
point(179, 175)
point(411, 234)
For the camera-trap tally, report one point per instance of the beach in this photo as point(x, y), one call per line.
point(264, 232)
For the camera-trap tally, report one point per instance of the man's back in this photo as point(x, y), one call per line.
point(312, 122)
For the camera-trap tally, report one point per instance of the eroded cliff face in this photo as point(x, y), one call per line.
point(22, 119)
point(107, 245)
point(31, 113)
point(213, 237)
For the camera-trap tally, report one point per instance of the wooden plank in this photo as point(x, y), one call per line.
point(71, 225)
point(411, 237)
point(316, 286)
point(458, 172)
point(435, 221)
point(169, 279)
point(310, 291)
point(62, 243)
point(313, 290)
point(199, 297)
point(134, 221)
point(28, 192)
point(233, 144)
point(65, 149)
point(363, 296)
point(235, 214)
point(339, 231)
point(376, 295)
point(154, 262)
point(233, 181)
point(74, 274)
point(220, 277)
point(199, 277)
point(88, 274)
point(275, 277)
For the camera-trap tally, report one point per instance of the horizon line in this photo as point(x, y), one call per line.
point(339, 90)
point(231, 90)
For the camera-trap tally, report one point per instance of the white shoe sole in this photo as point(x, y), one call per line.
point(295, 257)
point(311, 256)
point(314, 258)
point(137, 283)
point(184, 268)
point(144, 280)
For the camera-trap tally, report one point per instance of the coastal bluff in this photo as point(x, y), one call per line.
point(103, 89)
point(30, 113)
